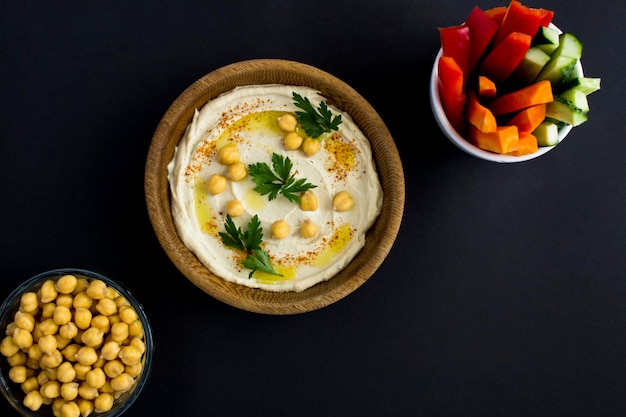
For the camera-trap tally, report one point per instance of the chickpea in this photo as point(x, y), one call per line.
point(101, 322)
point(311, 146)
point(228, 154)
point(279, 229)
point(69, 330)
point(18, 374)
point(29, 302)
point(92, 337)
point(66, 284)
point(123, 382)
point(292, 141)
point(308, 229)
point(34, 352)
point(51, 389)
point(62, 341)
point(308, 201)
point(52, 360)
point(47, 344)
point(86, 355)
point(236, 171)
point(70, 351)
point(96, 378)
point(81, 371)
point(119, 332)
point(18, 359)
point(103, 403)
point(81, 285)
point(65, 300)
point(130, 355)
point(133, 370)
point(287, 122)
point(87, 391)
point(22, 338)
point(51, 374)
point(24, 320)
point(70, 409)
point(127, 314)
point(121, 301)
point(33, 400)
point(30, 384)
point(86, 406)
point(8, 346)
point(69, 391)
point(138, 343)
point(47, 310)
point(234, 208)
point(48, 327)
point(82, 318)
point(47, 293)
point(216, 184)
point(110, 350)
point(62, 315)
point(97, 289)
point(82, 300)
point(106, 307)
point(66, 372)
point(32, 363)
point(342, 201)
point(113, 368)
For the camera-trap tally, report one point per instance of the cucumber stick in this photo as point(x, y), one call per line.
point(531, 65)
point(561, 111)
point(547, 133)
point(563, 60)
point(546, 39)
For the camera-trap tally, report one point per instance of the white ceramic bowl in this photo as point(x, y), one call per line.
point(464, 144)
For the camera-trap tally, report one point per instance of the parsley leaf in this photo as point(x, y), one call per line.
point(279, 181)
point(248, 242)
point(315, 122)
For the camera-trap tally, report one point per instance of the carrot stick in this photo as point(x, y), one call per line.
point(504, 140)
point(537, 93)
point(479, 115)
point(527, 144)
point(486, 87)
point(529, 118)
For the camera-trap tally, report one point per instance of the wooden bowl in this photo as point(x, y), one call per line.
point(379, 238)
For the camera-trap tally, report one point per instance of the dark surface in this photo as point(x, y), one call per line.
point(504, 294)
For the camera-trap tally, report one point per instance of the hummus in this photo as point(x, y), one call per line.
point(248, 118)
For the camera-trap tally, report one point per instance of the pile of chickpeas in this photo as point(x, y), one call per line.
point(76, 344)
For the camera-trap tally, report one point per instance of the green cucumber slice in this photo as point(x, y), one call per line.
point(546, 39)
point(531, 65)
point(547, 133)
point(557, 70)
point(575, 97)
point(587, 85)
point(569, 45)
point(563, 112)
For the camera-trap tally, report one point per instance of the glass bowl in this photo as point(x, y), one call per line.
point(140, 328)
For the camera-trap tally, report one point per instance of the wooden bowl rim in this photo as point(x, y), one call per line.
point(379, 239)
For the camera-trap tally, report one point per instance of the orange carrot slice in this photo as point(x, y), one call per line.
point(527, 144)
point(479, 115)
point(486, 87)
point(504, 140)
point(528, 119)
point(537, 93)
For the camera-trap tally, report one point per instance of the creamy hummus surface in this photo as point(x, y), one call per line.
point(248, 118)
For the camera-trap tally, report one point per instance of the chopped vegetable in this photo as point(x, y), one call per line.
point(528, 119)
point(500, 63)
point(503, 140)
point(452, 92)
point(481, 31)
point(479, 115)
point(486, 87)
point(537, 93)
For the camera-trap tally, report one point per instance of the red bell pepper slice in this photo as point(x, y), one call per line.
point(500, 63)
point(481, 31)
point(452, 92)
point(455, 43)
point(519, 18)
point(496, 13)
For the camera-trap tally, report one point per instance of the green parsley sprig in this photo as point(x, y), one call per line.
point(279, 181)
point(248, 242)
point(315, 122)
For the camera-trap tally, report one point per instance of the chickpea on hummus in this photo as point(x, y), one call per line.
point(216, 178)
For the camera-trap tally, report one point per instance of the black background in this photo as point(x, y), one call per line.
point(504, 294)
